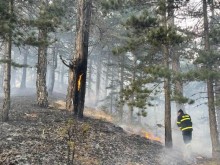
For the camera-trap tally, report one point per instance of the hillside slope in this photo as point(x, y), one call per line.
point(35, 136)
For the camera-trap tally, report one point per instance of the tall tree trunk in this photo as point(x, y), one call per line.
point(168, 21)
point(121, 104)
point(7, 73)
point(62, 72)
point(1, 78)
point(13, 77)
point(98, 77)
point(217, 97)
point(24, 71)
point(112, 90)
point(167, 120)
point(6, 84)
point(53, 67)
point(90, 78)
point(107, 76)
point(178, 85)
point(217, 82)
point(210, 92)
point(79, 68)
point(69, 96)
point(131, 107)
point(42, 70)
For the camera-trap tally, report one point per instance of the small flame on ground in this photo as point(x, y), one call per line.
point(151, 136)
point(79, 82)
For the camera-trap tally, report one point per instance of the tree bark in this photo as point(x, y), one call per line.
point(107, 76)
point(98, 77)
point(62, 72)
point(168, 21)
point(42, 70)
point(217, 82)
point(131, 100)
point(13, 77)
point(167, 120)
point(121, 104)
point(2, 71)
point(79, 67)
point(52, 67)
point(69, 96)
point(210, 92)
point(7, 73)
point(178, 85)
point(112, 90)
point(90, 78)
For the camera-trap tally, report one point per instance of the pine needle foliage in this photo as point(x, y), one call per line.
point(14, 64)
point(8, 20)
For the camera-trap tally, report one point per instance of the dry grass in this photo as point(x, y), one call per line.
point(59, 104)
point(89, 112)
point(213, 163)
point(97, 114)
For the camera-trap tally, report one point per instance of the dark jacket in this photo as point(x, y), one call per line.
point(184, 122)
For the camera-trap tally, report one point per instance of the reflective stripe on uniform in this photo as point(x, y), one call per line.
point(185, 119)
point(185, 116)
point(178, 122)
point(186, 128)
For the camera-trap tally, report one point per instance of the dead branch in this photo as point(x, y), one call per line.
point(65, 62)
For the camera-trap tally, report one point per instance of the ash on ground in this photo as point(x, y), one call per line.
point(32, 137)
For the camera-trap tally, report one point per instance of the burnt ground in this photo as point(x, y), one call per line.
point(35, 136)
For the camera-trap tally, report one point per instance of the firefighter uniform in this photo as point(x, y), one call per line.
point(185, 124)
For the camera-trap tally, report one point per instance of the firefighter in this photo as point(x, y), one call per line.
point(185, 124)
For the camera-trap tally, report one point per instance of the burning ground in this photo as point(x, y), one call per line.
point(35, 136)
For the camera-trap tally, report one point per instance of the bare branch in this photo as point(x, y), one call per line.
point(65, 63)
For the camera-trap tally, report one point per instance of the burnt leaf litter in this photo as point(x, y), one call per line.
point(39, 136)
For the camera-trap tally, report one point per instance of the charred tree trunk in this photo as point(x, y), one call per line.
point(210, 92)
point(52, 67)
point(7, 69)
point(42, 70)
point(24, 71)
point(79, 67)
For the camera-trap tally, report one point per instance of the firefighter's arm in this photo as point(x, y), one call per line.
point(178, 122)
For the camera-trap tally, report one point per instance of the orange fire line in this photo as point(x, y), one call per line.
point(79, 82)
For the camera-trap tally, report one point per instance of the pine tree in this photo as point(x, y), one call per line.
point(48, 21)
point(149, 32)
point(8, 21)
point(79, 62)
point(210, 90)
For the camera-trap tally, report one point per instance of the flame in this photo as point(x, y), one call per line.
point(151, 136)
point(79, 82)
